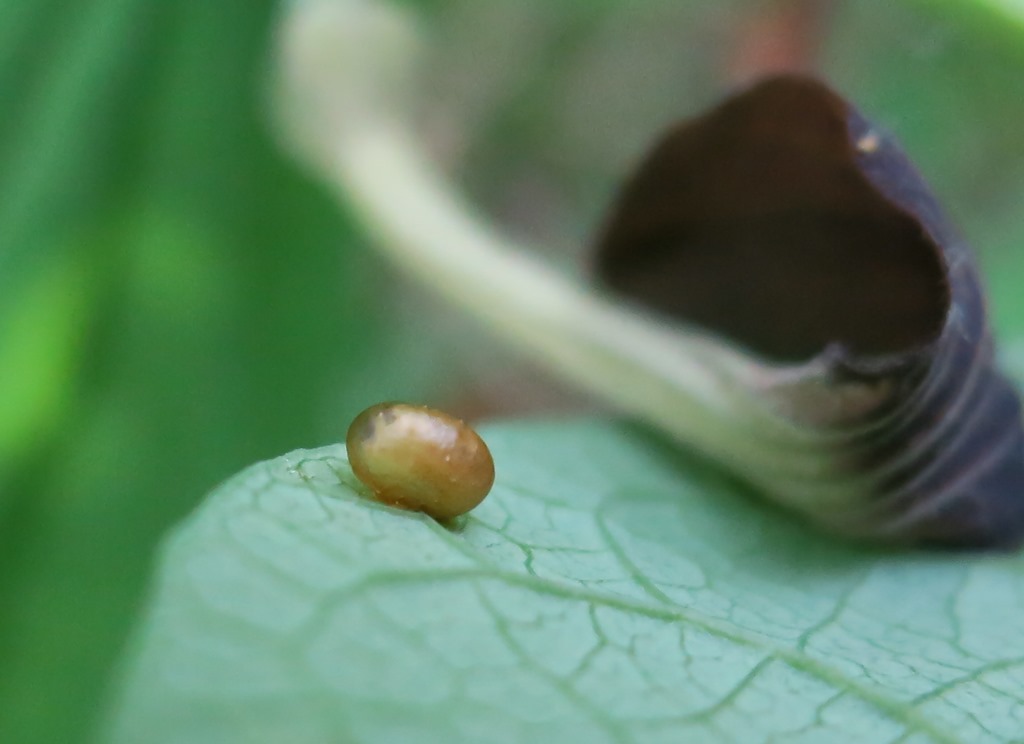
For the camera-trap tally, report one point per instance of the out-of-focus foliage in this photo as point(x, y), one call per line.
point(177, 300)
point(608, 591)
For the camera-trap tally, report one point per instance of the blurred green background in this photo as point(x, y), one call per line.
point(178, 299)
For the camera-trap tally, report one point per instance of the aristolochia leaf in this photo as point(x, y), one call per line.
point(608, 590)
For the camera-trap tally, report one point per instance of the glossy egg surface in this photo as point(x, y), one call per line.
point(420, 458)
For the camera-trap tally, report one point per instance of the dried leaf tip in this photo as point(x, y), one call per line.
point(785, 224)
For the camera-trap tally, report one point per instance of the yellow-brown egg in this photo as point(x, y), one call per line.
point(420, 458)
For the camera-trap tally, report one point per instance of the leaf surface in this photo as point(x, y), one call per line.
point(609, 590)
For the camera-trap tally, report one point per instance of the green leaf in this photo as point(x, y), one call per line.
point(609, 590)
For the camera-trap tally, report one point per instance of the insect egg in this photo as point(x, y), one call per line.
point(419, 458)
